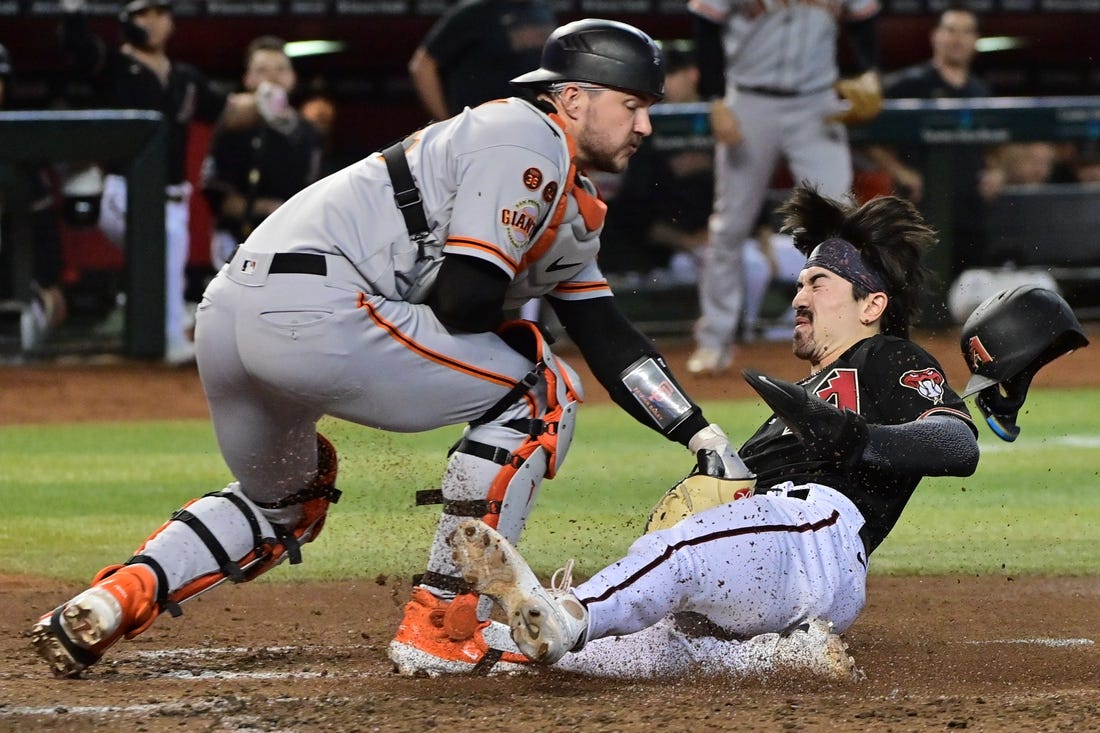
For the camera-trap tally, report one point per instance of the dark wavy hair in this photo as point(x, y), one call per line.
point(890, 234)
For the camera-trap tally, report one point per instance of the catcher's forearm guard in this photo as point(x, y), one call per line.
point(650, 383)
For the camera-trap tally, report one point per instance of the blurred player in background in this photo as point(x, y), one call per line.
point(770, 69)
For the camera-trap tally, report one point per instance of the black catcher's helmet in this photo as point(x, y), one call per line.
point(1006, 341)
point(603, 52)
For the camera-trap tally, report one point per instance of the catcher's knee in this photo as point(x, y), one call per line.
point(241, 540)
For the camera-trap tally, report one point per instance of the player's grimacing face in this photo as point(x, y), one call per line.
point(826, 315)
point(613, 124)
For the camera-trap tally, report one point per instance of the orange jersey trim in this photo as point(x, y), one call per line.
point(482, 246)
point(435, 356)
point(590, 286)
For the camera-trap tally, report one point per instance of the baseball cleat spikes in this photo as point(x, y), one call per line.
point(71, 638)
point(75, 636)
point(815, 647)
point(546, 622)
point(436, 638)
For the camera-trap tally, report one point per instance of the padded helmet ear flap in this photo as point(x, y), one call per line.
point(1001, 404)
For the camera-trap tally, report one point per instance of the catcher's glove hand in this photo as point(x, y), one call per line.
point(694, 494)
point(862, 97)
point(827, 433)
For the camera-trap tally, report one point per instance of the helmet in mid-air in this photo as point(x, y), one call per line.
point(1006, 341)
point(604, 52)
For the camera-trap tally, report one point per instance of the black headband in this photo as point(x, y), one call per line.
point(841, 257)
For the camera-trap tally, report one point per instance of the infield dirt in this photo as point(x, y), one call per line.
point(984, 653)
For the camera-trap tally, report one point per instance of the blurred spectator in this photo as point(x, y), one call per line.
point(475, 49)
point(1026, 164)
point(47, 307)
point(140, 75)
point(1087, 164)
point(250, 172)
point(947, 75)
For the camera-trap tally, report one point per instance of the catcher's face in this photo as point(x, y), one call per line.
point(610, 126)
point(827, 317)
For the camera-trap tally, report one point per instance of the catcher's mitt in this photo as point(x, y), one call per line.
point(862, 96)
point(694, 494)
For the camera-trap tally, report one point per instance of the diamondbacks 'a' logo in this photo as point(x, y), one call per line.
point(841, 389)
point(928, 383)
point(977, 354)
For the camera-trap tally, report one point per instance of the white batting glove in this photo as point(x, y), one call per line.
point(715, 455)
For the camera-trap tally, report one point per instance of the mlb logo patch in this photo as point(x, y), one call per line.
point(248, 267)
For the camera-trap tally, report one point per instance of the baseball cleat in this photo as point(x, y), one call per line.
point(705, 361)
point(546, 622)
point(814, 647)
point(438, 637)
point(75, 635)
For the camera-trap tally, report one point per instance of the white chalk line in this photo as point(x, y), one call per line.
point(1038, 642)
point(200, 706)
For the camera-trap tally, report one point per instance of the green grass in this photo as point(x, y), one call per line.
point(78, 497)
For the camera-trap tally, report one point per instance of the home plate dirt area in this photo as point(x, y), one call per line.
point(982, 653)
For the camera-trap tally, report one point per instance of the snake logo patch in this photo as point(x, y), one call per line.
point(928, 383)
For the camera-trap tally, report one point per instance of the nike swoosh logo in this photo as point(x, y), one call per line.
point(557, 265)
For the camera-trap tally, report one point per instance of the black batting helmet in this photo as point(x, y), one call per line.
point(603, 52)
point(1007, 340)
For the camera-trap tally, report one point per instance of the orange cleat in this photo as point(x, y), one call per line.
point(438, 637)
point(121, 602)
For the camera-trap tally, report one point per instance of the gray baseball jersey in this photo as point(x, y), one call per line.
point(781, 45)
point(497, 184)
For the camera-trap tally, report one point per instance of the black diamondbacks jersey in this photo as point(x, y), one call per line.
point(889, 381)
